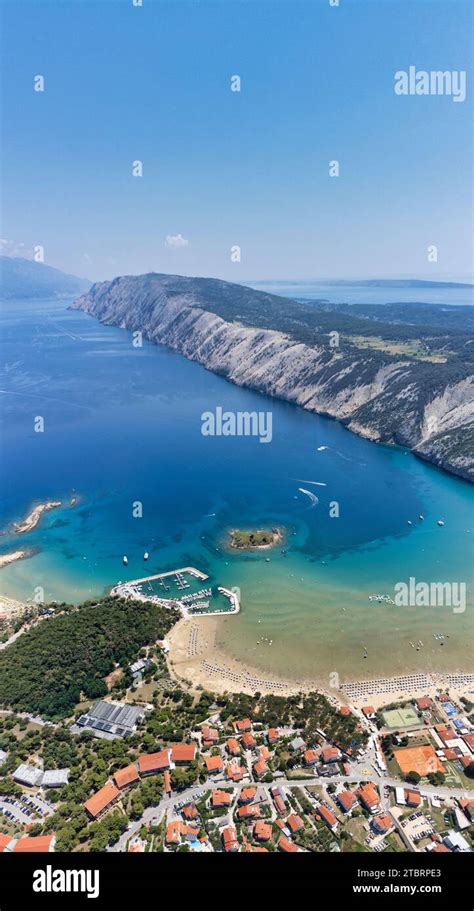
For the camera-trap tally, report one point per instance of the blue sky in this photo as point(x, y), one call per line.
point(222, 168)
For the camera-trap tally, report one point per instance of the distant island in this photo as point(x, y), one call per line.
point(27, 279)
point(364, 283)
point(258, 539)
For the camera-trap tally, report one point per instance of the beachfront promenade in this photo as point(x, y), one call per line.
point(131, 589)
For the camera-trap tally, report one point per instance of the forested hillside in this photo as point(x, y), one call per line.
point(48, 667)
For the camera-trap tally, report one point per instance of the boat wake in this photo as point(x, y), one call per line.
point(316, 483)
point(340, 454)
point(311, 496)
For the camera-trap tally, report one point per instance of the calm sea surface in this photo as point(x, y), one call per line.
point(123, 425)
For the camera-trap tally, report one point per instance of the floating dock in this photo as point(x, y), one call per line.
point(188, 604)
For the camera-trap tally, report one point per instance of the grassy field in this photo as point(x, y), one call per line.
point(456, 778)
point(412, 348)
point(358, 829)
point(401, 718)
point(394, 842)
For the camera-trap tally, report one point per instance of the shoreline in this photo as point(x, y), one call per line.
point(13, 556)
point(34, 516)
point(231, 547)
point(195, 659)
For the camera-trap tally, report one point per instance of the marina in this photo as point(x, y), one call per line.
point(166, 589)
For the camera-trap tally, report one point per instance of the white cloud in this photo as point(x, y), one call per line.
point(175, 241)
point(12, 248)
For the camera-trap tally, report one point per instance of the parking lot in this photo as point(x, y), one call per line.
point(15, 811)
point(25, 809)
point(417, 826)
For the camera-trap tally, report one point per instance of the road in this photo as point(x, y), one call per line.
point(155, 815)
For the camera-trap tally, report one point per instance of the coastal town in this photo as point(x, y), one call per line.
point(157, 765)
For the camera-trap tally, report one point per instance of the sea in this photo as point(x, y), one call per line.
point(121, 433)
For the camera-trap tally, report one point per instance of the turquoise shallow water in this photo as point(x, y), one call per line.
point(123, 425)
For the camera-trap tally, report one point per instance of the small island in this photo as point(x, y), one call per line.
point(34, 516)
point(261, 538)
point(5, 559)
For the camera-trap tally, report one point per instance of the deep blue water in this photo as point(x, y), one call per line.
point(124, 424)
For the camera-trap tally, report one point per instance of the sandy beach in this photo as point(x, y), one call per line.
point(10, 607)
point(196, 659)
point(32, 519)
point(5, 559)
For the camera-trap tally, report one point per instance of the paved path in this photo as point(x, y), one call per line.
point(155, 814)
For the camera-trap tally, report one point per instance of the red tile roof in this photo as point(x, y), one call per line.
point(39, 844)
point(424, 703)
point(102, 799)
point(272, 735)
point(450, 755)
point(279, 804)
point(369, 796)
point(209, 735)
point(183, 752)
point(262, 830)
point(413, 798)
point(384, 822)
point(247, 795)
point(329, 754)
point(214, 763)
point(167, 782)
point(244, 725)
point(173, 832)
point(250, 811)
point(126, 776)
point(260, 767)
point(327, 815)
point(347, 799)
point(4, 841)
point(190, 811)
point(294, 823)
point(154, 762)
point(235, 772)
point(287, 846)
point(310, 757)
point(221, 799)
point(248, 741)
point(229, 837)
point(233, 746)
point(368, 710)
